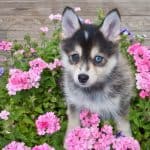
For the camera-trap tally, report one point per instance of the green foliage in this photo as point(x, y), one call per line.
point(27, 105)
point(139, 115)
point(140, 119)
point(100, 16)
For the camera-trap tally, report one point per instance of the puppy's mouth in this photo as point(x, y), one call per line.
point(84, 85)
point(83, 80)
point(90, 87)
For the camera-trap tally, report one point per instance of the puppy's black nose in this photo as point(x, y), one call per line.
point(83, 78)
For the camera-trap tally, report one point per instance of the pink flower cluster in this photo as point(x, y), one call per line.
point(5, 46)
point(77, 9)
point(89, 119)
point(16, 146)
point(32, 50)
point(88, 138)
point(47, 123)
point(24, 80)
point(125, 143)
point(87, 21)
point(141, 55)
point(4, 115)
point(92, 137)
point(43, 147)
point(38, 65)
point(56, 17)
point(44, 29)
point(21, 146)
point(55, 64)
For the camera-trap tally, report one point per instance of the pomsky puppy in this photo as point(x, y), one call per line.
point(96, 76)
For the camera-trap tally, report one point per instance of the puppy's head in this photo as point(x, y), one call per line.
point(89, 52)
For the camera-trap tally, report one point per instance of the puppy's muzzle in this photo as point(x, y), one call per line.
point(83, 78)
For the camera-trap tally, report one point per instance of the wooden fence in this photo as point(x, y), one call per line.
point(18, 17)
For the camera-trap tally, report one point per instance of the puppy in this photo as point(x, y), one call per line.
point(96, 76)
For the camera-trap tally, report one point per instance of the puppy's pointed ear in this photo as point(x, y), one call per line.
point(70, 22)
point(111, 25)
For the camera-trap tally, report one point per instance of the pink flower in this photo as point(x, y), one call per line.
point(107, 129)
point(132, 48)
point(98, 139)
point(89, 119)
point(141, 56)
point(52, 66)
point(4, 115)
point(34, 78)
point(32, 50)
point(5, 46)
point(22, 80)
point(55, 64)
point(125, 143)
point(105, 138)
point(43, 147)
point(143, 94)
point(58, 63)
point(78, 139)
point(16, 146)
point(87, 21)
point(14, 71)
point(56, 17)
point(47, 123)
point(38, 65)
point(93, 138)
point(88, 138)
point(44, 29)
point(77, 9)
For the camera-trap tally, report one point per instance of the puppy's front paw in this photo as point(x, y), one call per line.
point(66, 135)
point(65, 146)
point(69, 129)
point(124, 126)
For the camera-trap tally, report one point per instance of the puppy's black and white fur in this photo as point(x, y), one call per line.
point(96, 76)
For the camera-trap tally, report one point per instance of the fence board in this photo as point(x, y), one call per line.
point(20, 16)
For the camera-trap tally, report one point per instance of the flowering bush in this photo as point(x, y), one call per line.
point(141, 56)
point(92, 137)
point(16, 146)
point(43, 147)
point(32, 106)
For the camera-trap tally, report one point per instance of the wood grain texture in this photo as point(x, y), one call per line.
point(18, 17)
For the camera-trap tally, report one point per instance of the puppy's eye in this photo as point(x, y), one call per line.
point(75, 58)
point(98, 59)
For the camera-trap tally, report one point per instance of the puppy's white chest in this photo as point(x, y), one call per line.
point(98, 102)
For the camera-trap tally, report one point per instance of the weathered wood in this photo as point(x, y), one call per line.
point(48, 6)
point(18, 17)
